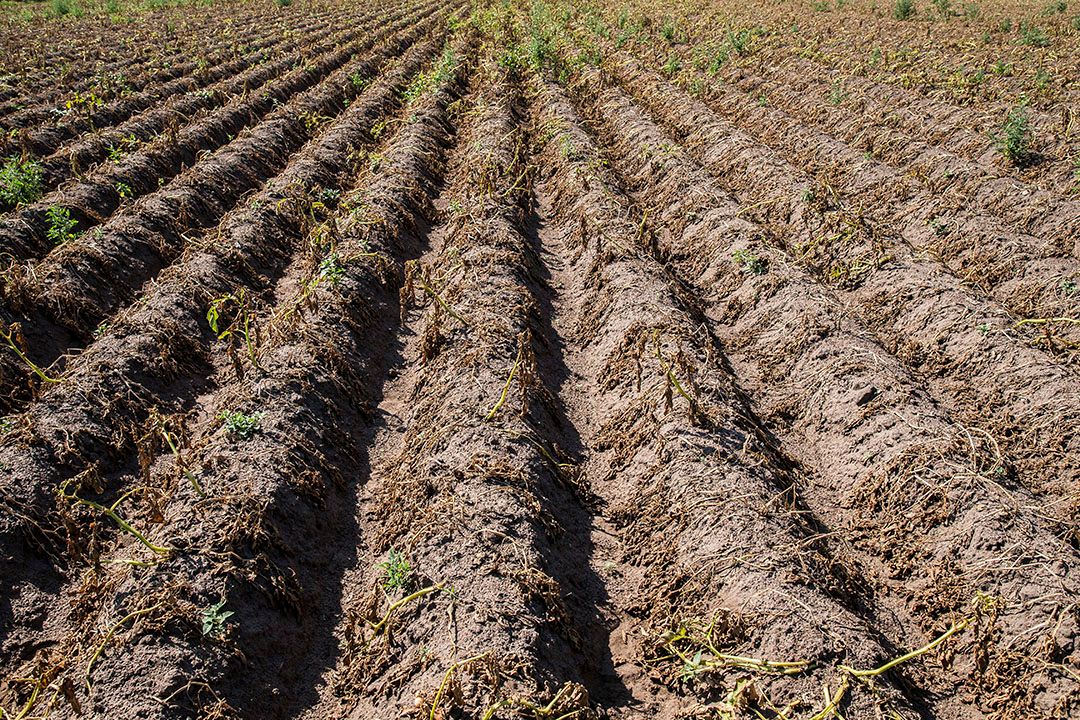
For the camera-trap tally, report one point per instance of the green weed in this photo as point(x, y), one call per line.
point(83, 103)
point(837, 94)
point(751, 264)
point(215, 616)
point(1015, 139)
point(597, 26)
point(358, 80)
point(735, 43)
point(331, 269)
point(904, 9)
point(63, 8)
point(1033, 35)
point(669, 31)
point(740, 41)
point(940, 227)
point(20, 181)
point(1042, 79)
point(425, 82)
point(397, 573)
point(239, 424)
point(313, 120)
point(61, 225)
point(539, 51)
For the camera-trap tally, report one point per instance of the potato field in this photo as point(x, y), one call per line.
point(543, 359)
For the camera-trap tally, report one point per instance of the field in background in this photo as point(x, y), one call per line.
point(540, 359)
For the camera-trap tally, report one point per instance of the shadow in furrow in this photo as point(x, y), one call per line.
point(289, 660)
point(571, 565)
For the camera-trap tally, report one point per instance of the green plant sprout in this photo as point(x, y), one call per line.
point(83, 103)
point(312, 121)
point(239, 424)
point(214, 618)
point(331, 269)
point(20, 181)
point(425, 82)
point(397, 573)
point(61, 225)
point(1033, 35)
point(751, 264)
point(1015, 138)
point(837, 94)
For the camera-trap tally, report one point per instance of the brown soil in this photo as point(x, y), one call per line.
point(512, 361)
